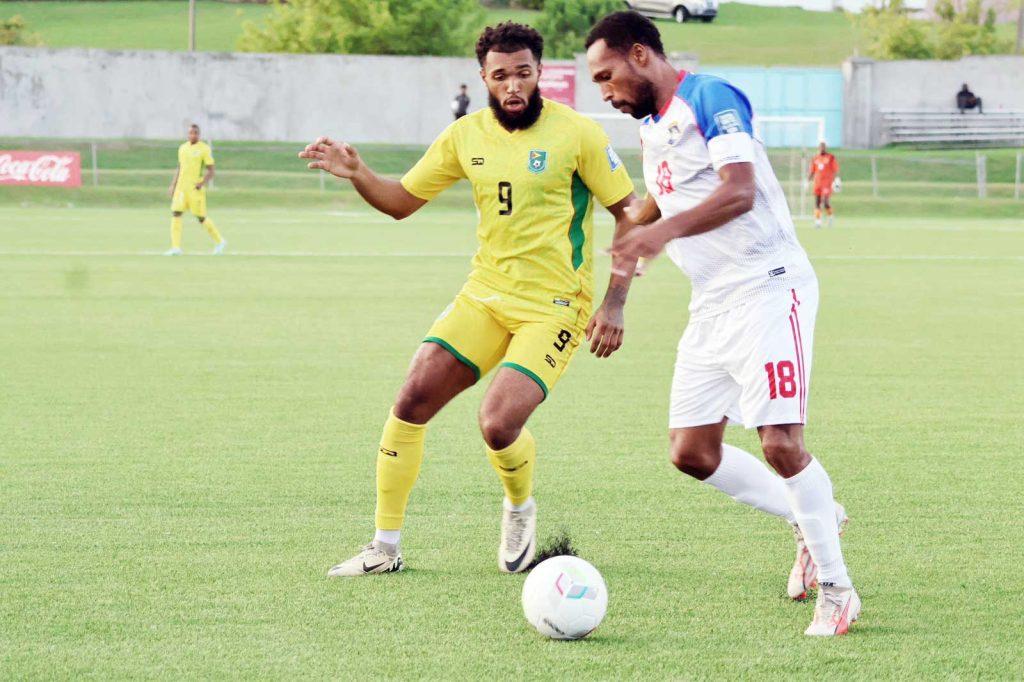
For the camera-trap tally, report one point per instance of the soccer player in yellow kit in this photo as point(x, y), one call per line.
point(188, 190)
point(534, 165)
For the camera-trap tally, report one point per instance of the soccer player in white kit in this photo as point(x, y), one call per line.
point(715, 206)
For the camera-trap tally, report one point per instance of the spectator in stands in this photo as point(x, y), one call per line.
point(965, 100)
point(460, 105)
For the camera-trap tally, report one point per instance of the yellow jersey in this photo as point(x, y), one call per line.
point(532, 189)
point(192, 159)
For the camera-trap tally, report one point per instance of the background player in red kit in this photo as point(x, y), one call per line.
point(824, 171)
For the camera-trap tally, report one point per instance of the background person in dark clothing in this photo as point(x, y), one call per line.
point(965, 100)
point(460, 105)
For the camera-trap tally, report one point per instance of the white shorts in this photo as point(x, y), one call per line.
point(751, 363)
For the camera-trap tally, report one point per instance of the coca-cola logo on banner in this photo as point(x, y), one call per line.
point(53, 169)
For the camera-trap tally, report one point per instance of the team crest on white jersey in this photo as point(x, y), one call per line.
point(674, 134)
point(728, 121)
point(538, 161)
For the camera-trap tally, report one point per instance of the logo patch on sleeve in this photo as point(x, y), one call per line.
point(728, 121)
point(613, 159)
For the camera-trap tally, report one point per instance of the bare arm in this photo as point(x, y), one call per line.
point(606, 328)
point(731, 199)
point(206, 177)
point(342, 160)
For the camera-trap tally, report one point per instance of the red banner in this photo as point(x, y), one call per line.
point(50, 169)
point(558, 82)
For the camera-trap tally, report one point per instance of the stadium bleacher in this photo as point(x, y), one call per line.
point(952, 127)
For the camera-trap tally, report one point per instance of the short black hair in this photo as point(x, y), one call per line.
point(194, 125)
point(622, 30)
point(507, 37)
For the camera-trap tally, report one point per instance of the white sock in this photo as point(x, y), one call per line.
point(810, 494)
point(746, 479)
point(519, 507)
point(389, 537)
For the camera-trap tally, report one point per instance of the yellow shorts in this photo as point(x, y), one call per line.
point(189, 199)
point(484, 328)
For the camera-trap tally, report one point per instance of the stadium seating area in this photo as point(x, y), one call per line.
point(952, 127)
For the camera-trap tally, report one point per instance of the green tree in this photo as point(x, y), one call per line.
point(892, 34)
point(439, 27)
point(967, 32)
point(565, 24)
point(14, 31)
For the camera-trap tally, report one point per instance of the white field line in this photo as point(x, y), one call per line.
point(456, 254)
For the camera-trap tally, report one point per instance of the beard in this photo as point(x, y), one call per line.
point(646, 100)
point(521, 120)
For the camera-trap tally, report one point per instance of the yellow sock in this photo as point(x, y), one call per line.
point(817, 214)
point(176, 232)
point(514, 465)
point(829, 210)
point(398, 466)
point(211, 229)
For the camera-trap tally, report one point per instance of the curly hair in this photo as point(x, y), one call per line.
point(623, 30)
point(507, 37)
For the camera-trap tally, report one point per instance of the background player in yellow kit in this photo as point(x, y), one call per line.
point(534, 165)
point(188, 190)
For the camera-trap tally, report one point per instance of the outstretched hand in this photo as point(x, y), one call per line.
point(337, 158)
point(605, 330)
point(642, 242)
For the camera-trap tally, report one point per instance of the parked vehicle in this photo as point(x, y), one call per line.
point(680, 10)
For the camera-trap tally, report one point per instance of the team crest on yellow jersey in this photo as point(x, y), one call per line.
point(538, 161)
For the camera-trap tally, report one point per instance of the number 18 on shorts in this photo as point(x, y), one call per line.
point(751, 363)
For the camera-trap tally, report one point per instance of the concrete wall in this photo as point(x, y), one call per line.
point(150, 94)
point(872, 86)
point(402, 100)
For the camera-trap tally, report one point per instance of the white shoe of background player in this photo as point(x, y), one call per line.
point(173, 252)
point(219, 249)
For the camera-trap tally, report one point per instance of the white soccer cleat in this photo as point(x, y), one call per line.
point(376, 557)
point(173, 252)
point(803, 577)
point(837, 608)
point(518, 537)
point(831, 221)
point(219, 248)
point(817, 222)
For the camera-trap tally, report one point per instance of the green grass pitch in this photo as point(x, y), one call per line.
point(186, 445)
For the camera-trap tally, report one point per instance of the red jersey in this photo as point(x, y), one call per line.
point(825, 168)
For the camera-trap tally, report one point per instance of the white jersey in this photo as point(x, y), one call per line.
point(706, 125)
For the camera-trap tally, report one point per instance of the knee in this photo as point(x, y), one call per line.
point(413, 403)
point(498, 433)
point(699, 462)
point(785, 453)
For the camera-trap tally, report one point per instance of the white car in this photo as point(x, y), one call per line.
point(680, 10)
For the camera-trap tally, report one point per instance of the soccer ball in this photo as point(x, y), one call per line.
point(565, 597)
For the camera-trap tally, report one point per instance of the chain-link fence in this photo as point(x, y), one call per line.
point(144, 168)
